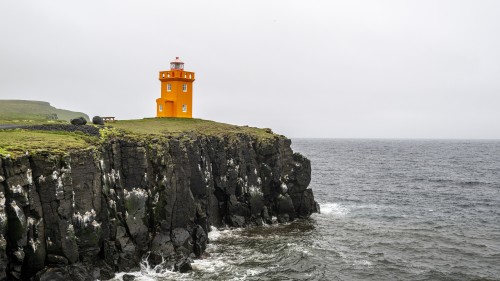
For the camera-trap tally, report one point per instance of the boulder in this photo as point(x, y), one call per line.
point(180, 237)
point(79, 121)
point(76, 272)
point(183, 265)
point(97, 120)
point(200, 240)
point(128, 277)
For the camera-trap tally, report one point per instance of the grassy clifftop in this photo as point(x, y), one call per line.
point(178, 126)
point(18, 142)
point(59, 138)
point(21, 111)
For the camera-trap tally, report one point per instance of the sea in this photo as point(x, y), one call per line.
point(390, 210)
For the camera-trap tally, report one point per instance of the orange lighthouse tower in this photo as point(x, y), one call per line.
point(176, 92)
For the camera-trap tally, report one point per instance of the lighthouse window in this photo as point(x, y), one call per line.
point(160, 108)
point(184, 108)
point(169, 87)
point(184, 87)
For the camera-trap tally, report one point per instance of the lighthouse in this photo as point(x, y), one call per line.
point(176, 98)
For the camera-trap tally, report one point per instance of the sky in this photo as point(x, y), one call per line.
point(317, 69)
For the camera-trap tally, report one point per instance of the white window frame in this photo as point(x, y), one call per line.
point(160, 108)
point(169, 87)
point(184, 87)
point(184, 108)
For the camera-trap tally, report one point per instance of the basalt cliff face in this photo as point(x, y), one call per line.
point(89, 214)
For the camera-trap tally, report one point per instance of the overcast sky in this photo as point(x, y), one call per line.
point(341, 69)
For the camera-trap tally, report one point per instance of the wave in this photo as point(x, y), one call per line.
point(151, 273)
point(342, 210)
point(216, 234)
point(333, 209)
point(455, 181)
point(209, 265)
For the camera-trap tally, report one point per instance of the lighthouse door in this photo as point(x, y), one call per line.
point(170, 110)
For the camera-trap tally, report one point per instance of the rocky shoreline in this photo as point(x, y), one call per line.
point(91, 213)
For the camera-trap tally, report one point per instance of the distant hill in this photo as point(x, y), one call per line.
point(34, 110)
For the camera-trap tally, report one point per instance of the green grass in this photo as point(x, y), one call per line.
point(23, 122)
point(19, 111)
point(18, 142)
point(179, 126)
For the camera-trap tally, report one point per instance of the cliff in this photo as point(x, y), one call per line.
point(85, 213)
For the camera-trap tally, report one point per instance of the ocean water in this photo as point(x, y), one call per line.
point(390, 210)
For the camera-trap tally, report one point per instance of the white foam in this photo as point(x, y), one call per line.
point(334, 209)
point(299, 249)
point(216, 234)
point(148, 273)
point(253, 272)
point(216, 262)
point(210, 265)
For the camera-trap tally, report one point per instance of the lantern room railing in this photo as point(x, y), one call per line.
point(176, 74)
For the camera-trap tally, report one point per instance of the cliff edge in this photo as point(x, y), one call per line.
point(82, 207)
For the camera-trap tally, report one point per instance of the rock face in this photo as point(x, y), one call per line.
point(91, 213)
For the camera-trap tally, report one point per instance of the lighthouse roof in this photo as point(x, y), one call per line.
point(177, 64)
point(177, 60)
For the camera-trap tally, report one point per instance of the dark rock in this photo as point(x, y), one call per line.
point(236, 221)
point(78, 121)
point(200, 240)
point(286, 210)
point(77, 272)
point(128, 277)
point(160, 246)
point(265, 216)
point(128, 257)
point(56, 259)
point(304, 203)
point(17, 225)
point(183, 265)
point(3, 257)
point(181, 237)
point(106, 272)
point(88, 214)
point(97, 120)
point(89, 130)
point(300, 176)
point(52, 274)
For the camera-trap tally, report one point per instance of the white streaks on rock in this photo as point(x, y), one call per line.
point(254, 190)
point(34, 244)
point(284, 188)
point(18, 189)
point(85, 220)
point(29, 175)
